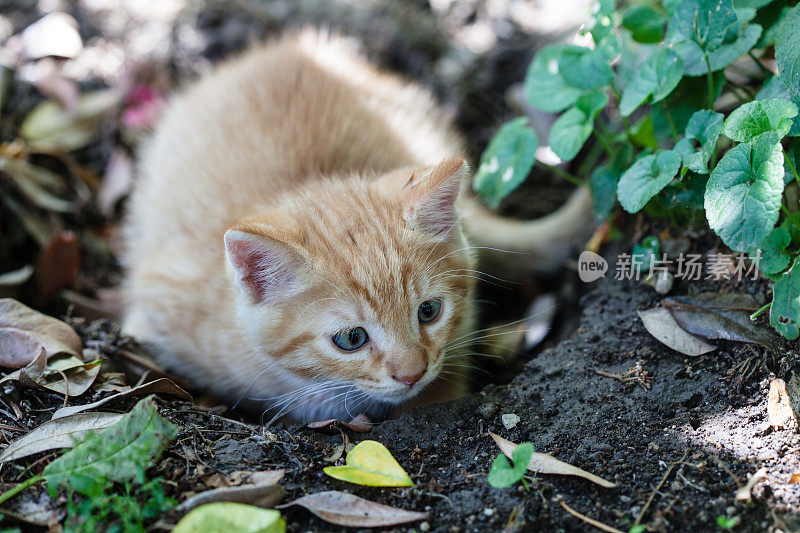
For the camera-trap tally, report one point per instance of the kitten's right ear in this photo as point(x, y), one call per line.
point(267, 270)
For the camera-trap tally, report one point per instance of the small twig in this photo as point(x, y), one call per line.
point(658, 487)
point(592, 521)
point(66, 387)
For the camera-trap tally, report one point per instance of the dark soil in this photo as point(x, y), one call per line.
point(702, 419)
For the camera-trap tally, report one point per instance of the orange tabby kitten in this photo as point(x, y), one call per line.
point(298, 237)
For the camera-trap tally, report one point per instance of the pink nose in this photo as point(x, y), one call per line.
point(409, 380)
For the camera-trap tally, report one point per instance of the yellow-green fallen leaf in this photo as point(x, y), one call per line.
point(371, 464)
point(227, 517)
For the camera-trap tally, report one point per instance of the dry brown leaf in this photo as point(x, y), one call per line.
point(158, 386)
point(546, 464)
point(37, 509)
point(359, 424)
point(660, 323)
point(24, 333)
point(261, 490)
point(779, 409)
point(344, 509)
point(59, 263)
point(56, 434)
point(62, 373)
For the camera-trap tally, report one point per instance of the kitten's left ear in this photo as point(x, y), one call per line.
point(430, 195)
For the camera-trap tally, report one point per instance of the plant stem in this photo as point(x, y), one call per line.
point(710, 78)
point(757, 313)
point(19, 488)
point(669, 121)
point(601, 137)
point(575, 180)
point(791, 166)
point(524, 484)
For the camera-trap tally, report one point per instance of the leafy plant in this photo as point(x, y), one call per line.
point(726, 523)
point(119, 454)
point(680, 132)
point(503, 474)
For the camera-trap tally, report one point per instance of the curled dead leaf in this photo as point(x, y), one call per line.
point(62, 373)
point(57, 434)
point(546, 464)
point(660, 323)
point(24, 333)
point(262, 490)
point(158, 386)
point(344, 509)
point(359, 424)
point(59, 263)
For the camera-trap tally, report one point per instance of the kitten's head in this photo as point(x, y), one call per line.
point(358, 281)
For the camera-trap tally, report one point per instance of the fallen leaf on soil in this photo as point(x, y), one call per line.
point(62, 373)
point(371, 464)
point(262, 491)
point(744, 493)
point(344, 509)
point(24, 333)
point(121, 452)
point(37, 509)
point(714, 315)
point(158, 386)
point(359, 424)
point(61, 433)
point(779, 409)
point(662, 325)
point(229, 517)
point(542, 463)
point(59, 263)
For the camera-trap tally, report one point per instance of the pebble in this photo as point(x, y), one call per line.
point(487, 409)
point(488, 511)
point(424, 526)
point(510, 420)
point(653, 447)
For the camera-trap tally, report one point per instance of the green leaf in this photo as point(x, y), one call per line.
point(775, 88)
point(704, 22)
point(760, 116)
point(743, 196)
point(121, 452)
point(643, 133)
point(370, 463)
point(787, 52)
point(645, 253)
point(694, 63)
point(784, 315)
point(571, 130)
point(774, 258)
point(754, 4)
point(545, 86)
point(504, 475)
point(506, 162)
point(229, 517)
point(603, 185)
point(653, 80)
point(646, 178)
point(703, 130)
point(600, 24)
point(585, 68)
point(688, 97)
point(645, 23)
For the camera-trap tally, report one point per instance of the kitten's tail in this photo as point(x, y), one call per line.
point(542, 245)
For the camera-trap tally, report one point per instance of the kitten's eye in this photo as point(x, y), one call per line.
point(350, 339)
point(429, 310)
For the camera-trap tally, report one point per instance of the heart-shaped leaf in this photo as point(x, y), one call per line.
point(653, 80)
point(773, 258)
point(585, 68)
point(694, 60)
point(760, 116)
point(775, 88)
point(645, 23)
point(784, 315)
point(743, 195)
point(545, 86)
point(646, 178)
point(704, 22)
point(370, 463)
point(506, 162)
point(571, 130)
point(349, 510)
point(229, 517)
point(703, 130)
point(503, 474)
point(787, 52)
